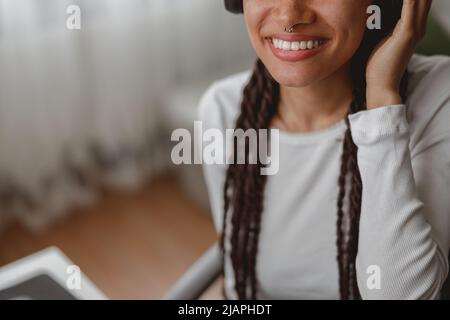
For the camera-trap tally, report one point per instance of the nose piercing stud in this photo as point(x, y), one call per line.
point(290, 30)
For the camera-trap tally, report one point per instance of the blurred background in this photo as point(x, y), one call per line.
point(85, 123)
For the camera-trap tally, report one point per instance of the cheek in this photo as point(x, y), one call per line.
point(348, 19)
point(348, 24)
point(254, 16)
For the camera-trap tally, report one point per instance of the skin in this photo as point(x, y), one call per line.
point(315, 93)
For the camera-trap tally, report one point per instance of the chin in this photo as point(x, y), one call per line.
point(297, 77)
point(294, 82)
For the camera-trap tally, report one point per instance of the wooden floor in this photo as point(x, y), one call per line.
point(132, 246)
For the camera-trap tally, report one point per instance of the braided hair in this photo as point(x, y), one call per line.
point(244, 185)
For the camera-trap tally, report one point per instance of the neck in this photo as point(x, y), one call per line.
point(316, 106)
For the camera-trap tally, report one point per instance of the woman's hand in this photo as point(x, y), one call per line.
point(390, 58)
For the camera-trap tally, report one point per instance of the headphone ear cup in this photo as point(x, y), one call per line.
point(234, 6)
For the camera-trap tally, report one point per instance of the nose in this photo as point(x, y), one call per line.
point(295, 12)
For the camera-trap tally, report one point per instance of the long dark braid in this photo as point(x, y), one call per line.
point(244, 185)
point(259, 105)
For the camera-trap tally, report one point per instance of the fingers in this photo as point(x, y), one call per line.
point(409, 14)
point(414, 18)
point(423, 12)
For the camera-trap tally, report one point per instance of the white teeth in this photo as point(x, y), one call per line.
point(296, 45)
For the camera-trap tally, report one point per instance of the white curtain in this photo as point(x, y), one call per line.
point(79, 108)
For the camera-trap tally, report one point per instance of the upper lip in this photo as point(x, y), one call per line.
point(296, 37)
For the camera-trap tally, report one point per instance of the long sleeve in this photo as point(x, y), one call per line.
point(405, 211)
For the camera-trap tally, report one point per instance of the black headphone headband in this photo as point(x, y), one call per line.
point(234, 6)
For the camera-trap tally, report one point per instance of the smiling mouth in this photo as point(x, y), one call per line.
point(295, 48)
point(297, 45)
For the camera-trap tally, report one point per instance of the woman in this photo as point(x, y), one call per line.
point(359, 135)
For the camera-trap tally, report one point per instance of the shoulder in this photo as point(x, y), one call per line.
point(429, 72)
point(428, 97)
point(220, 104)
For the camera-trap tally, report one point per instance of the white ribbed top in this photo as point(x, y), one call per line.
point(404, 160)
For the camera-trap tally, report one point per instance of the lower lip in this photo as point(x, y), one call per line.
point(294, 56)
